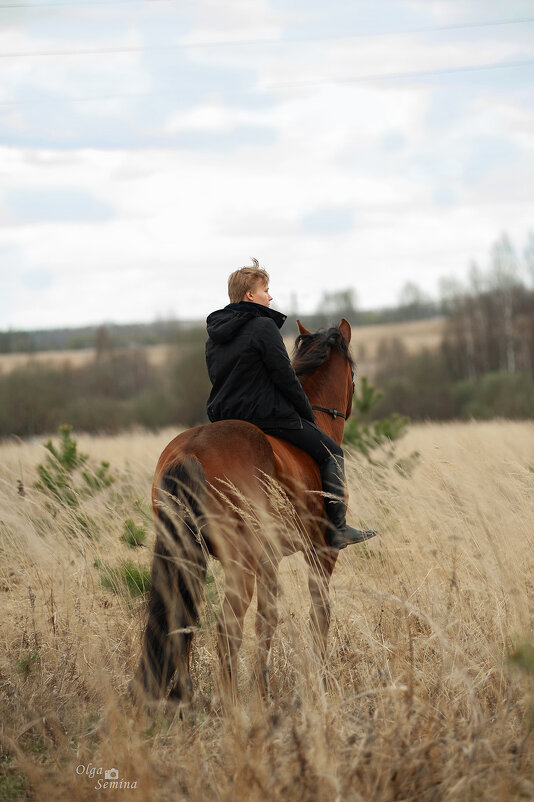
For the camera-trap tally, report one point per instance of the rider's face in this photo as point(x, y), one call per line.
point(259, 295)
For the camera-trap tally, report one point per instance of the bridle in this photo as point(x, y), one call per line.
point(335, 413)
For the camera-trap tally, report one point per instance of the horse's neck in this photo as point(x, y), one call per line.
point(324, 393)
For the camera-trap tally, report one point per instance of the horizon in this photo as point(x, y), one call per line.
point(190, 322)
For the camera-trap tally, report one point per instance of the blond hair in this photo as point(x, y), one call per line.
point(244, 279)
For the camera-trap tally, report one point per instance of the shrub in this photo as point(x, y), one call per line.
point(56, 475)
point(134, 536)
point(154, 408)
point(495, 394)
point(190, 385)
point(63, 466)
point(31, 399)
point(417, 385)
point(127, 579)
point(97, 414)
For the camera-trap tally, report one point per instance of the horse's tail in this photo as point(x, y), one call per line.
point(178, 574)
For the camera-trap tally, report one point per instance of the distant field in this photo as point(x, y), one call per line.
point(430, 665)
point(366, 341)
point(415, 336)
point(156, 355)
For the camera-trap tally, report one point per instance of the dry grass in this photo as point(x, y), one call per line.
point(421, 701)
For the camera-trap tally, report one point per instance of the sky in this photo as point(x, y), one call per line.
point(150, 147)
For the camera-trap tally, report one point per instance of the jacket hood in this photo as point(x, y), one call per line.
point(223, 324)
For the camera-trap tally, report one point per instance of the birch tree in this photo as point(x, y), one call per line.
point(504, 278)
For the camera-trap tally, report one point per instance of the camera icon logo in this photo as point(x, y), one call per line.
point(111, 774)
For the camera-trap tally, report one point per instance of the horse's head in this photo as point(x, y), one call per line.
point(325, 366)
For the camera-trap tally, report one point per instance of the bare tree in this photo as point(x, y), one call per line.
point(456, 304)
point(529, 255)
point(477, 283)
point(339, 303)
point(103, 343)
point(504, 279)
point(414, 302)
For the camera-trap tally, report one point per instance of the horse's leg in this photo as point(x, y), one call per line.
point(267, 614)
point(321, 567)
point(238, 594)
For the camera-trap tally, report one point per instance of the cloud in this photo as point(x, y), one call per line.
point(235, 19)
point(39, 205)
point(21, 286)
point(444, 196)
point(393, 141)
point(240, 137)
point(488, 154)
point(36, 279)
point(458, 11)
point(219, 129)
point(214, 117)
point(328, 220)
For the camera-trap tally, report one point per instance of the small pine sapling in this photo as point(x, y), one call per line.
point(366, 436)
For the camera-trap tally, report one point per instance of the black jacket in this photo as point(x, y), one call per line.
point(250, 371)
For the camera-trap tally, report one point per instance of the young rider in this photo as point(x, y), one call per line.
point(253, 380)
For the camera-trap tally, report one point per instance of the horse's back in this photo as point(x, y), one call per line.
point(238, 452)
point(230, 451)
point(238, 456)
point(294, 468)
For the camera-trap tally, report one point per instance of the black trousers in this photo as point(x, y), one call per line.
point(310, 439)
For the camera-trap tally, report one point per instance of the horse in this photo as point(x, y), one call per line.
point(210, 482)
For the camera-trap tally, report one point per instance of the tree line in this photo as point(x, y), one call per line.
point(483, 368)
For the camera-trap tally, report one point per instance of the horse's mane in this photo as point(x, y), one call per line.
point(311, 350)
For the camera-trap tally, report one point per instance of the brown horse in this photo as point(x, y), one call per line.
point(213, 491)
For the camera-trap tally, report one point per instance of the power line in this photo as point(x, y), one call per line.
point(248, 42)
point(384, 76)
point(85, 3)
point(370, 77)
point(147, 3)
point(96, 51)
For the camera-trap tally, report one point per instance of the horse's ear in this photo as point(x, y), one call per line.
point(345, 330)
point(302, 329)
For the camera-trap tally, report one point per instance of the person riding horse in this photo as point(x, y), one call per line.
point(253, 380)
point(204, 470)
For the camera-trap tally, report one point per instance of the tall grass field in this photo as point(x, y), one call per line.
point(428, 692)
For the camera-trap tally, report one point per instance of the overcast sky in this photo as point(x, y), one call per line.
point(150, 147)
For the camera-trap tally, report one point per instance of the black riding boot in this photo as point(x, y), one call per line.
point(339, 533)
